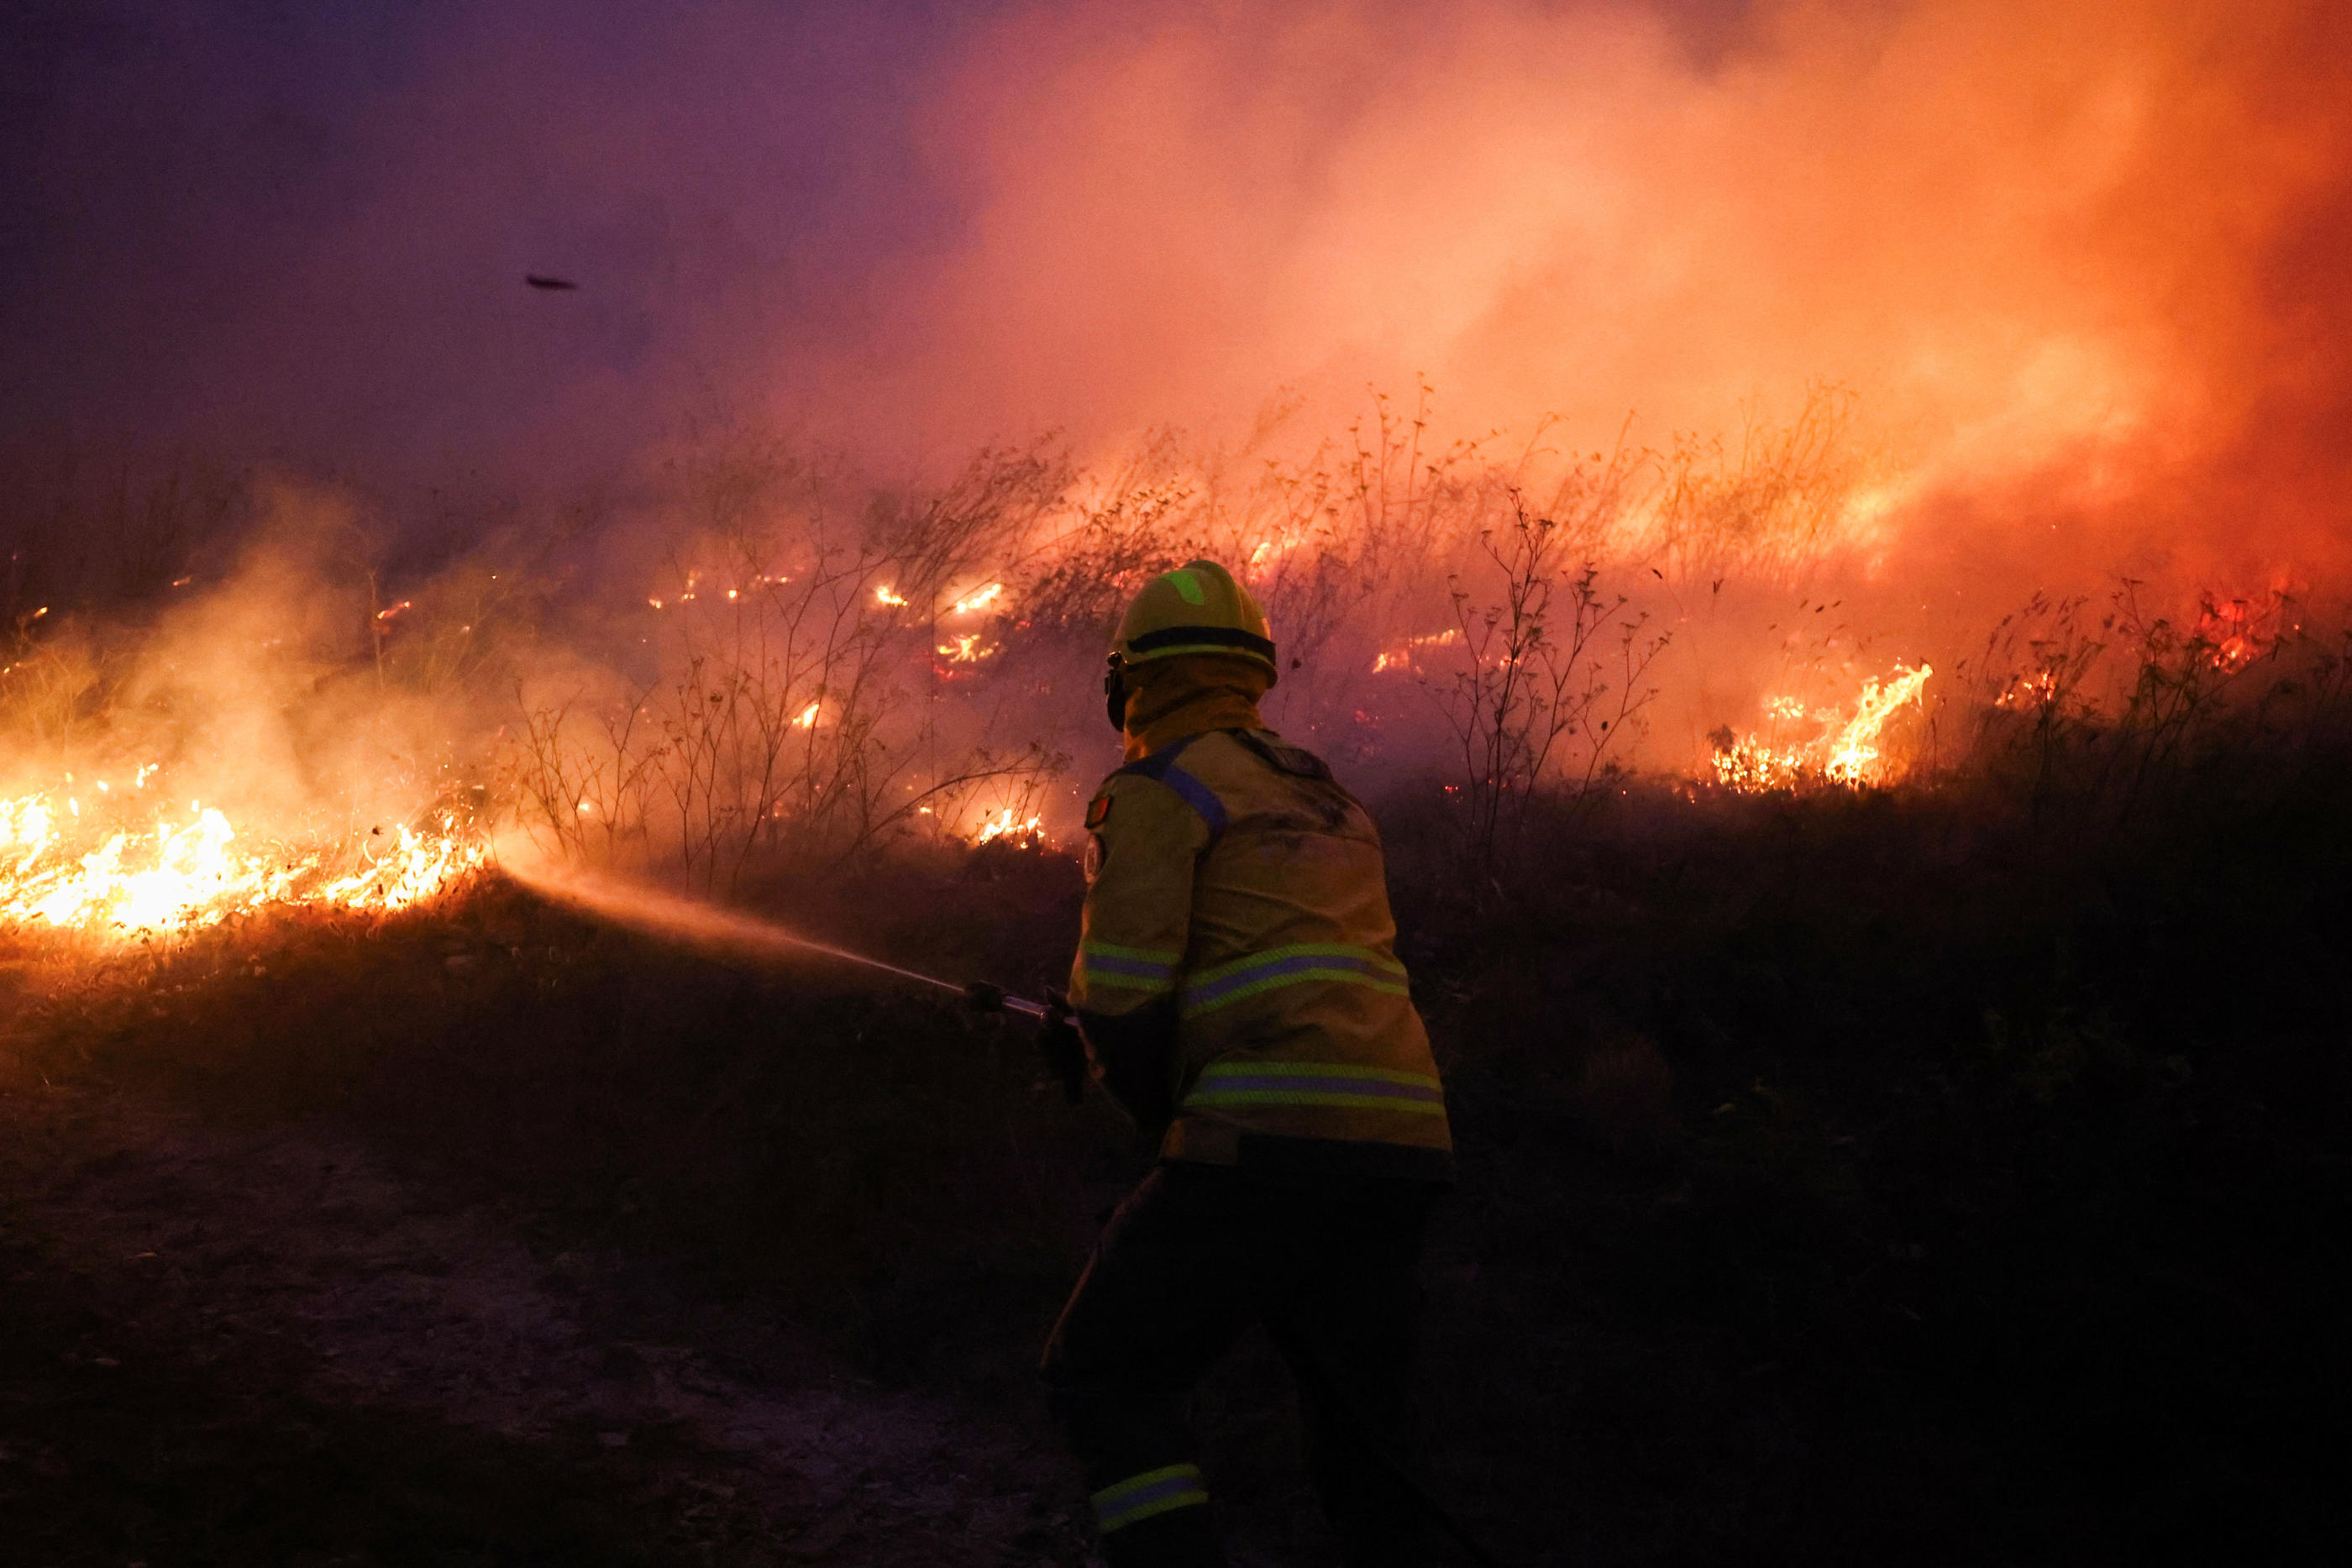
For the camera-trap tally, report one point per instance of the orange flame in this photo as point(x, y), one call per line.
point(1005, 826)
point(130, 879)
point(1846, 754)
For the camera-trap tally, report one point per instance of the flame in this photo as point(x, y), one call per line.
point(2235, 633)
point(1400, 656)
point(960, 649)
point(1846, 754)
point(978, 599)
point(1004, 825)
point(1854, 756)
point(2028, 691)
point(808, 716)
point(132, 879)
point(887, 597)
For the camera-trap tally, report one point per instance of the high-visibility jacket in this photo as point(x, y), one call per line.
point(1236, 974)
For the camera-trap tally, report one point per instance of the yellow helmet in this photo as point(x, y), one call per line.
point(1196, 609)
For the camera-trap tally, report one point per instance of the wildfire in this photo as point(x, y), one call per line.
point(888, 596)
point(123, 879)
point(980, 598)
point(1845, 753)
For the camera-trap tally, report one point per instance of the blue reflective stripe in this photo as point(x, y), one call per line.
point(1160, 767)
point(1153, 1492)
point(1332, 951)
point(1306, 966)
point(1198, 796)
point(1298, 964)
point(1108, 965)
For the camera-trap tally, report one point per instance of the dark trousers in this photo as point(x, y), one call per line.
point(1194, 1255)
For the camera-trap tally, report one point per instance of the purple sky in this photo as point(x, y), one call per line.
point(301, 231)
point(304, 229)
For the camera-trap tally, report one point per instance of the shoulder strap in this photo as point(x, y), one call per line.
point(1160, 767)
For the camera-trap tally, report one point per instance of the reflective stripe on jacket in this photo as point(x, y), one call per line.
point(1239, 899)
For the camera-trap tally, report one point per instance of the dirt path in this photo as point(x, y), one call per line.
point(244, 1300)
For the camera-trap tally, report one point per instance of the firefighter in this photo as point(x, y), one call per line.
point(1236, 990)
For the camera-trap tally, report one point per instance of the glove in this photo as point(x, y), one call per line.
point(1061, 1048)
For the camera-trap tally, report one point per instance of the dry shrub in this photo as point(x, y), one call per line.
point(780, 715)
point(2093, 716)
point(1549, 671)
point(1768, 506)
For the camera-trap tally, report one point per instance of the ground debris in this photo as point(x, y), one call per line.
point(284, 1304)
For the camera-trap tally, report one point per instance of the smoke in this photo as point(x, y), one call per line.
point(270, 692)
point(2075, 270)
point(2072, 260)
point(2035, 239)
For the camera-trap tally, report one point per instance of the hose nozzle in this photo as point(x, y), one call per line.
point(981, 997)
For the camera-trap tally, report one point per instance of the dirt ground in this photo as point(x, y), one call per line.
point(258, 1345)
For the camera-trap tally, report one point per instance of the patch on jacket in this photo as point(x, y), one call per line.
point(1097, 811)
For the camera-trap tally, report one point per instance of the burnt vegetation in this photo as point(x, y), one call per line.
point(1950, 1171)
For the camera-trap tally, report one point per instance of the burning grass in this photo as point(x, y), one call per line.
point(108, 873)
point(1844, 751)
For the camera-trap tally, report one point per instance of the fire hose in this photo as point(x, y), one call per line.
point(692, 921)
point(702, 925)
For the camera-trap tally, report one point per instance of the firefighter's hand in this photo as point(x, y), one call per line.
point(1061, 1049)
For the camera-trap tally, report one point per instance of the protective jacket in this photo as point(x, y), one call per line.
point(1236, 978)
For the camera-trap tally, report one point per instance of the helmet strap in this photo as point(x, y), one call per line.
point(1115, 692)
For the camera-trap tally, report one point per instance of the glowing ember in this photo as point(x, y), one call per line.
point(125, 879)
point(1845, 753)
